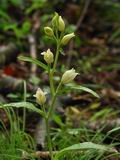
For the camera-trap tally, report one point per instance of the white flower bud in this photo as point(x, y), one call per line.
point(67, 38)
point(40, 96)
point(48, 56)
point(48, 31)
point(69, 76)
point(61, 24)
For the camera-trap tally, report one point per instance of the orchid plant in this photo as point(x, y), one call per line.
point(57, 33)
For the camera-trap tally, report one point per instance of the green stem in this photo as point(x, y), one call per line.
point(48, 132)
point(47, 121)
point(56, 58)
point(49, 138)
point(52, 90)
point(54, 95)
point(53, 101)
point(43, 109)
point(51, 73)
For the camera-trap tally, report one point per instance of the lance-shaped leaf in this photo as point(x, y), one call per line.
point(33, 60)
point(27, 105)
point(82, 147)
point(82, 88)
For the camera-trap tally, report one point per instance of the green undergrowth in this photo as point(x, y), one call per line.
point(14, 142)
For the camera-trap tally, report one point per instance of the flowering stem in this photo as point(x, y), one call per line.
point(43, 109)
point(53, 95)
point(49, 138)
point(53, 101)
point(48, 132)
point(47, 121)
point(56, 57)
point(51, 81)
point(51, 73)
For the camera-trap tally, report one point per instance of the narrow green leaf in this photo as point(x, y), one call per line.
point(33, 60)
point(82, 146)
point(114, 130)
point(77, 87)
point(27, 105)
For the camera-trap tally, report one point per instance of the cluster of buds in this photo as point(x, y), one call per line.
point(59, 24)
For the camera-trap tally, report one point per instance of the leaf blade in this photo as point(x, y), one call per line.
point(33, 60)
point(27, 105)
point(82, 146)
point(86, 89)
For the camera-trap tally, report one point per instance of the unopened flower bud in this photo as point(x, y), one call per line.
point(67, 38)
point(48, 56)
point(61, 24)
point(40, 96)
point(55, 20)
point(69, 76)
point(48, 31)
